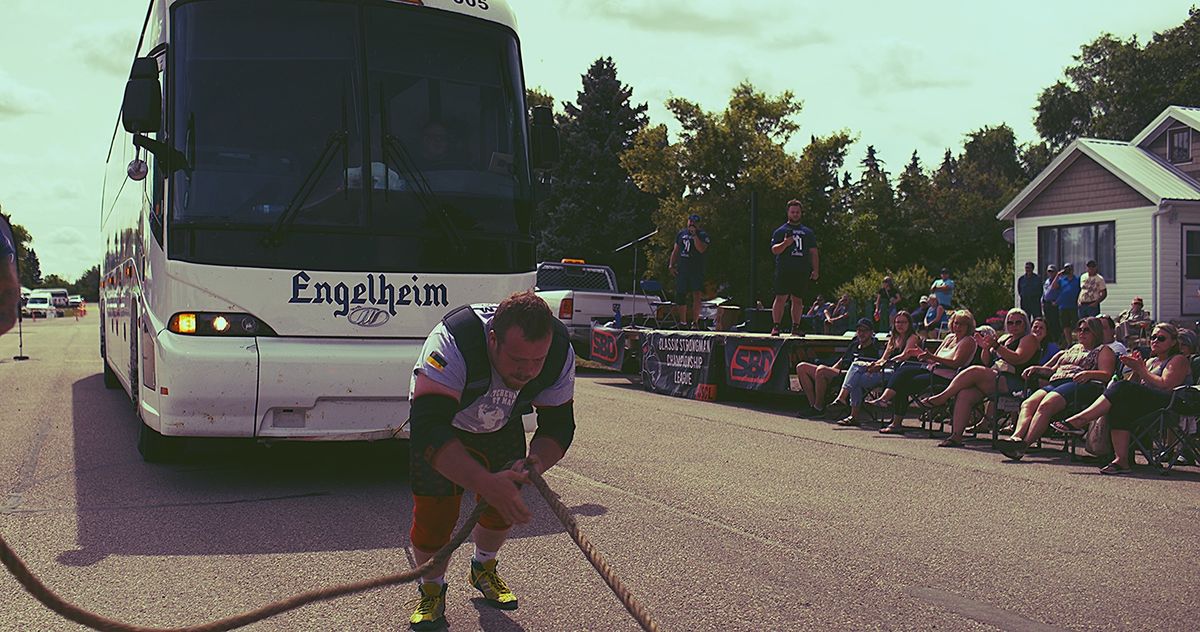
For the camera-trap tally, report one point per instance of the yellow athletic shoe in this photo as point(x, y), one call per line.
point(485, 579)
point(430, 612)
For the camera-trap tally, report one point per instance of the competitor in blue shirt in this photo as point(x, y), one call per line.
point(796, 265)
point(687, 265)
point(10, 285)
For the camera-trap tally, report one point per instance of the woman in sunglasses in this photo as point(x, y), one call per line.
point(863, 376)
point(1147, 388)
point(1002, 360)
point(1076, 375)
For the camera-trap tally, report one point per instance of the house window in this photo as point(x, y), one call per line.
point(1179, 148)
point(1077, 244)
point(1191, 254)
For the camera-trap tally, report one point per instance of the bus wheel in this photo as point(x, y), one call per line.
point(155, 448)
point(110, 377)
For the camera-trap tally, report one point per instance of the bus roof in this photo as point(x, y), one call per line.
point(491, 10)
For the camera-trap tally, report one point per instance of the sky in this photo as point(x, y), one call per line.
point(901, 76)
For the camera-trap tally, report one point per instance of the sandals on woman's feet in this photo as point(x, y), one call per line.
point(848, 421)
point(891, 429)
point(950, 442)
point(880, 403)
point(1113, 468)
point(923, 402)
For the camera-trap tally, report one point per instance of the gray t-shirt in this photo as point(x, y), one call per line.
point(441, 362)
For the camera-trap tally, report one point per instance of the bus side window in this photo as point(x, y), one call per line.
point(157, 190)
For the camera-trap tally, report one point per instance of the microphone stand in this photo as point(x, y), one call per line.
point(20, 337)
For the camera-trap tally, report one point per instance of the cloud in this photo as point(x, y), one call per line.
point(902, 69)
point(65, 238)
point(17, 99)
point(752, 27)
point(107, 48)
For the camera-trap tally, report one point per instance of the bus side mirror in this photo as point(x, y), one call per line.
point(543, 137)
point(141, 110)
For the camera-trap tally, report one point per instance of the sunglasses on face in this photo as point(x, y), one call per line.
point(1084, 330)
point(1012, 322)
point(1159, 338)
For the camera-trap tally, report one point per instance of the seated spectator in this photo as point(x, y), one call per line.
point(815, 378)
point(1001, 362)
point(862, 376)
point(815, 315)
point(935, 316)
point(1134, 321)
point(919, 313)
point(837, 317)
point(1110, 335)
point(956, 351)
point(1125, 401)
point(1187, 342)
point(1076, 375)
point(1048, 347)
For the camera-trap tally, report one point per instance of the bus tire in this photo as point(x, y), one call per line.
point(154, 447)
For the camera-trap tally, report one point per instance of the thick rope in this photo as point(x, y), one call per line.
point(97, 622)
point(631, 603)
point(74, 613)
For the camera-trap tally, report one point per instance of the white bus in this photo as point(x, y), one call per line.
point(252, 286)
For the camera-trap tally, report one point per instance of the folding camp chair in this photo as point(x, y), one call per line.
point(664, 309)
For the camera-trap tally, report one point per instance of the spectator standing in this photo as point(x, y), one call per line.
point(943, 288)
point(838, 316)
point(1029, 291)
point(687, 266)
point(797, 264)
point(10, 285)
point(1068, 300)
point(1092, 292)
point(1049, 309)
point(887, 301)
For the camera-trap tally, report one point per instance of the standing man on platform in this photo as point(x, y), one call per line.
point(10, 285)
point(1029, 291)
point(687, 266)
point(796, 265)
point(479, 371)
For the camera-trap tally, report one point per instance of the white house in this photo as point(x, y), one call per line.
point(1132, 206)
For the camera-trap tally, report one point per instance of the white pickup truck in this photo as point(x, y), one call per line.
point(581, 294)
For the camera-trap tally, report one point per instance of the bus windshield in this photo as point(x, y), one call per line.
point(338, 136)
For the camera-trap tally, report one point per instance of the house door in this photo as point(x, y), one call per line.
point(1191, 270)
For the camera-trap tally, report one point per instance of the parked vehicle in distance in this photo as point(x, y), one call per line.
point(40, 305)
point(74, 300)
point(581, 294)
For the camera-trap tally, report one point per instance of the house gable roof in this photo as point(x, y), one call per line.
point(1186, 115)
point(1138, 168)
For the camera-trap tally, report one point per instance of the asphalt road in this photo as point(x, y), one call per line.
point(718, 516)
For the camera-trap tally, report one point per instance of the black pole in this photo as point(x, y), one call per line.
point(750, 304)
point(20, 337)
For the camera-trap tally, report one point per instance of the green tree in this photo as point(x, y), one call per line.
point(594, 205)
point(719, 159)
point(87, 285)
point(54, 280)
point(1115, 87)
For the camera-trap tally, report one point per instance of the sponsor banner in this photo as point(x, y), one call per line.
point(608, 346)
point(683, 365)
point(759, 364)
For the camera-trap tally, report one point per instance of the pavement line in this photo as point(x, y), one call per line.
point(568, 475)
point(984, 613)
point(235, 501)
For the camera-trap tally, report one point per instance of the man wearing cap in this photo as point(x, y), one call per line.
point(1049, 309)
point(796, 264)
point(1068, 300)
point(687, 266)
point(1029, 291)
point(943, 288)
point(1092, 291)
point(814, 378)
point(1133, 321)
point(10, 285)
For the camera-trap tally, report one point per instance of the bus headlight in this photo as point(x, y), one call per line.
point(218, 324)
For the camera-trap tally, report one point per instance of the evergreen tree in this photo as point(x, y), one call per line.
point(594, 206)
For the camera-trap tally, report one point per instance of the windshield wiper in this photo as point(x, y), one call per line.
point(394, 150)
point(289, 214)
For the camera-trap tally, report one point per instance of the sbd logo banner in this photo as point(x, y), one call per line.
point(751, 365)
point(608, 346)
